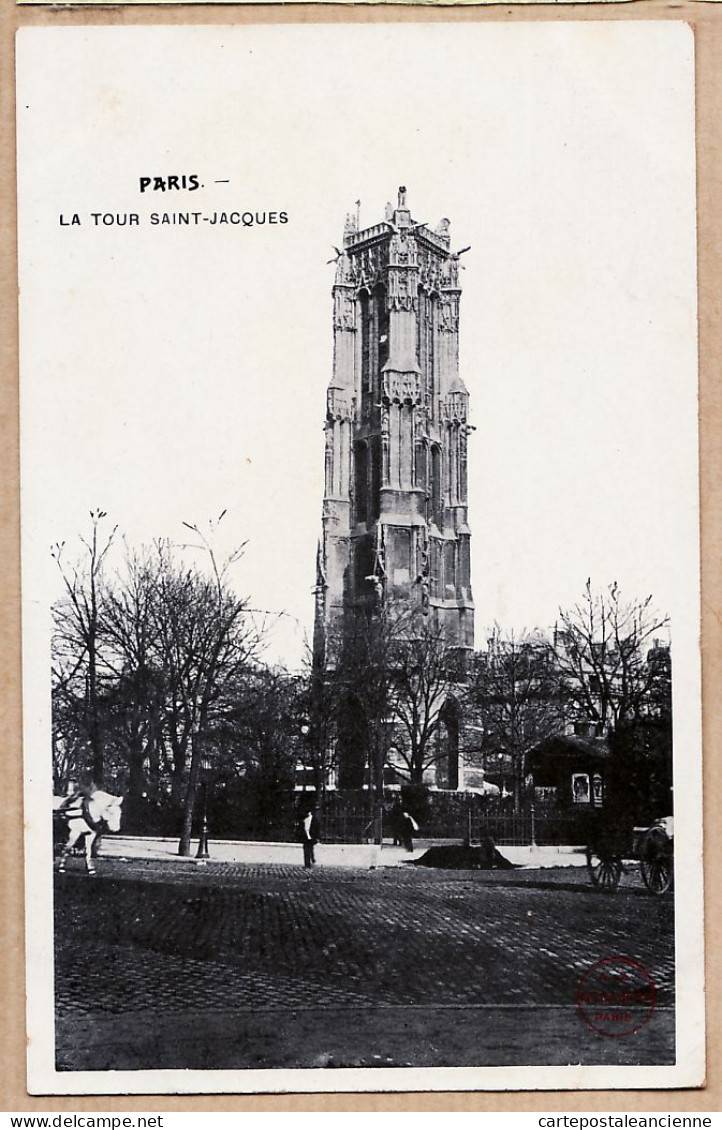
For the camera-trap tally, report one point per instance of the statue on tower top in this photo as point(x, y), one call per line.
point(402, 196)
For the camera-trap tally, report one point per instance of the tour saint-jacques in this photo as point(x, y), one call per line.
point(396, 541)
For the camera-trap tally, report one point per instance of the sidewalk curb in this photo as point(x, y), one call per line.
point(365, 856)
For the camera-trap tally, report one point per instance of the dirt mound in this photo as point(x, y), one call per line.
point(465, 857)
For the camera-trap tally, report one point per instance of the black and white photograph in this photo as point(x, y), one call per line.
point(360, 557)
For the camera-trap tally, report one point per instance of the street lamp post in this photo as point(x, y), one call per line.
point(203, 852)
point(305, 732)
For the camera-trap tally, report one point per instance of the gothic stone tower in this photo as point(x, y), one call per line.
point(395, 501)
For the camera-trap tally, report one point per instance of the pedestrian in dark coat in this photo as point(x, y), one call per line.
point(396, 818)
point(407, 827)
point(310, 836)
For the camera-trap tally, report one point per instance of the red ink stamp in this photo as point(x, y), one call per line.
point(616, 997)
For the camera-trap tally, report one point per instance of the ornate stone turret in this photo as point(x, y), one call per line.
point(395, 501)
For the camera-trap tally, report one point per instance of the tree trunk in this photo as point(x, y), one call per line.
point(178, 750)
point(518, 764)
point(416, 772)
point(184, 847)
point(153, 751)
point(94, 735)
point(136, 781)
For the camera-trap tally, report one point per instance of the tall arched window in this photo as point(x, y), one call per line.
point(464, 577)
point(421, 467)
point(449, 569)
point(374, 507)
point(406, 454)
point(382, 327)
point(363, 564)
point(453, 449)
point(364, 307)
point(361, 481)
point(432, 319)
point(421, 331)
point(425, 342)
point(436, 501)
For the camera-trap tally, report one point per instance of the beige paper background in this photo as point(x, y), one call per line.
point(706, 21)
point(415, 3)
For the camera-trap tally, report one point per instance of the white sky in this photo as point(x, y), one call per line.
point(168, 373)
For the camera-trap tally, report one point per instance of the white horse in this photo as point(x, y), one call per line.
point(87, 816)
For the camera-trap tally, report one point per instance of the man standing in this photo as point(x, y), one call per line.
point(310, 835)
point(407, 828)
point(75, 797)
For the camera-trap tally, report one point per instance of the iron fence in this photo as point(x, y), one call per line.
point(448, 816)
point(532, 824)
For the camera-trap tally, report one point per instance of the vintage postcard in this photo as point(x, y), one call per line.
point(360, 557)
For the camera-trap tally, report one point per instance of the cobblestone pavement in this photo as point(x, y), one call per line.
point(269, 939)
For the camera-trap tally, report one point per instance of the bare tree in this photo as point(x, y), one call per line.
point(260, 736)
point(77, 642)
point(517, 692)
point(364, 675)
point(321, 701)
point(424, 672)
point(400, 671)
point(205, 638)
point(602, 652)
point(130, 631)
point(69, 735)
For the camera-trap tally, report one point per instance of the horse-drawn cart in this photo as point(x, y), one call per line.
point(611, 846)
